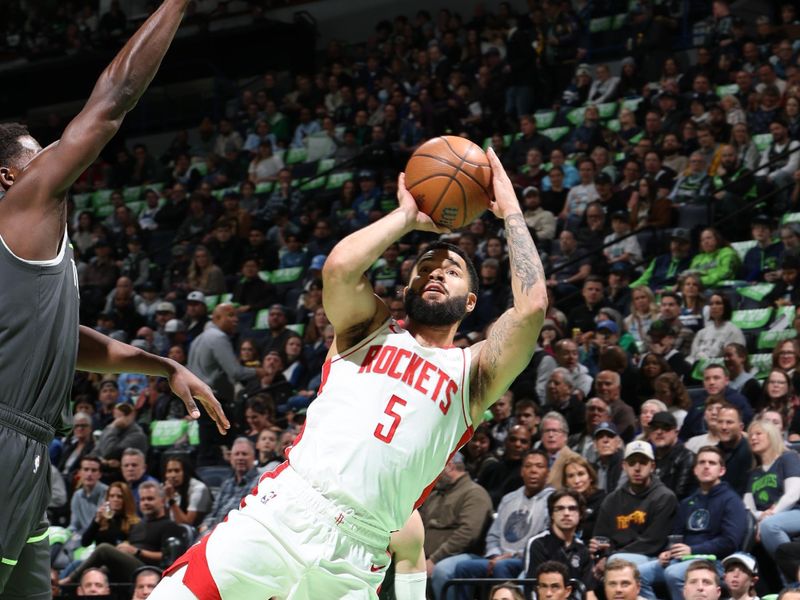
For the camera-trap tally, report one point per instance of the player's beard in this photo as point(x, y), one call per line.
point(424, 312)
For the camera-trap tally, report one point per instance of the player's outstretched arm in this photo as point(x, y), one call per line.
point(101, 354)
point(46, 178)
point(347, 295)
point(511, 340)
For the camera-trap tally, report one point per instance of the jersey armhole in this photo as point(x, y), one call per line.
point(50, 262)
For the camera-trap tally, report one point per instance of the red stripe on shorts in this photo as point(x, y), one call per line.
point(197, 576)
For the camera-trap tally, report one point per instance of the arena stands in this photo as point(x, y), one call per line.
point(655, 147)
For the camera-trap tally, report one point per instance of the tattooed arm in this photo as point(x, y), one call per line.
point(512, 338)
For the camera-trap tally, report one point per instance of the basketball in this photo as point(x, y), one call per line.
point(450, 178)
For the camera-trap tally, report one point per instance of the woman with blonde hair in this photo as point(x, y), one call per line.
point(694, 301)
point(746, 149)
point(773, 490)
point(573, 472)
point(644, 311)
point(649, 408)
point(734, 114)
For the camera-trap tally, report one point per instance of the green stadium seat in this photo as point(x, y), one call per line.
point(727, 90)
point(619, 21)
point(613, 125)
point(790, 218)
point(295, 156)
point(752, 318)
point(575, 116)
point(101, 198)
point(607, 110)
point(762, 363)
point(631, 103)
point(298, 328)
point(743, 247)
point(136, 206)
point(556, 133)
point(211, 302)
point(265, 187)
point(336, 180)
point(762, 140)
point(133, 193)
point(325, 165)
point(600, 24)
point(544, 118)
point(82, 201)
point(314, 184)
point(104, 211)
point(767, 340)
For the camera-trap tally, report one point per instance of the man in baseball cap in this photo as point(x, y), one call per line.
point(608, 446)
point(637, 516)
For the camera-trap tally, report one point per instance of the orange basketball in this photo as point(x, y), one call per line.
point(450, 178)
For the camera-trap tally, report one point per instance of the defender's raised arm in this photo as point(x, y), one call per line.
point(28, 221)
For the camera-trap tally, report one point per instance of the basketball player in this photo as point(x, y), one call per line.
point(41, 343)
point(395, 402)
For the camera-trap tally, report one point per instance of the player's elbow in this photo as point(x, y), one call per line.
point(337, 267)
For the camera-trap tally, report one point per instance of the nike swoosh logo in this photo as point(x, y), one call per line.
point(374, 569)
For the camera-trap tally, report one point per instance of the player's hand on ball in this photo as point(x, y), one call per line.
point(187, 386)
point(407, 204)
point(505, 198)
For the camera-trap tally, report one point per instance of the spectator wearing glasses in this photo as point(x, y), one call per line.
point(560, 542)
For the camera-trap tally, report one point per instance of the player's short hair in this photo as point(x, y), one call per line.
point(11, 150)
point(473, 274)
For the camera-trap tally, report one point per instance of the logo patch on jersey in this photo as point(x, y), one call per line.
point(36, 463)
point(413, 370)
point(267, 497)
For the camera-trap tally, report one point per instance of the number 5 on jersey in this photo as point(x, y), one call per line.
point(385, 431)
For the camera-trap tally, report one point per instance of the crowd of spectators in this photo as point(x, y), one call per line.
point(660, 190)
point(40, 29)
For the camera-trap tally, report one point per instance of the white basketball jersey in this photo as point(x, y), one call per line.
point(389, 415)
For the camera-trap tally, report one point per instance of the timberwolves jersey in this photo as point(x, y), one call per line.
point(38, 334)
point(388, 416)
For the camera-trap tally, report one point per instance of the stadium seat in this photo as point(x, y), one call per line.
point(754, 318)
point(545, 118)
point(214, 475)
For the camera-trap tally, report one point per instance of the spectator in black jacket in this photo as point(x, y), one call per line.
point(504, 476)
point(518, 152)
point(674, 462)
point(565, 508)
point(252, 293)
point(735, 447)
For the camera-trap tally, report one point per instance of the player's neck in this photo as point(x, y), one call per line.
point(432, 335)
